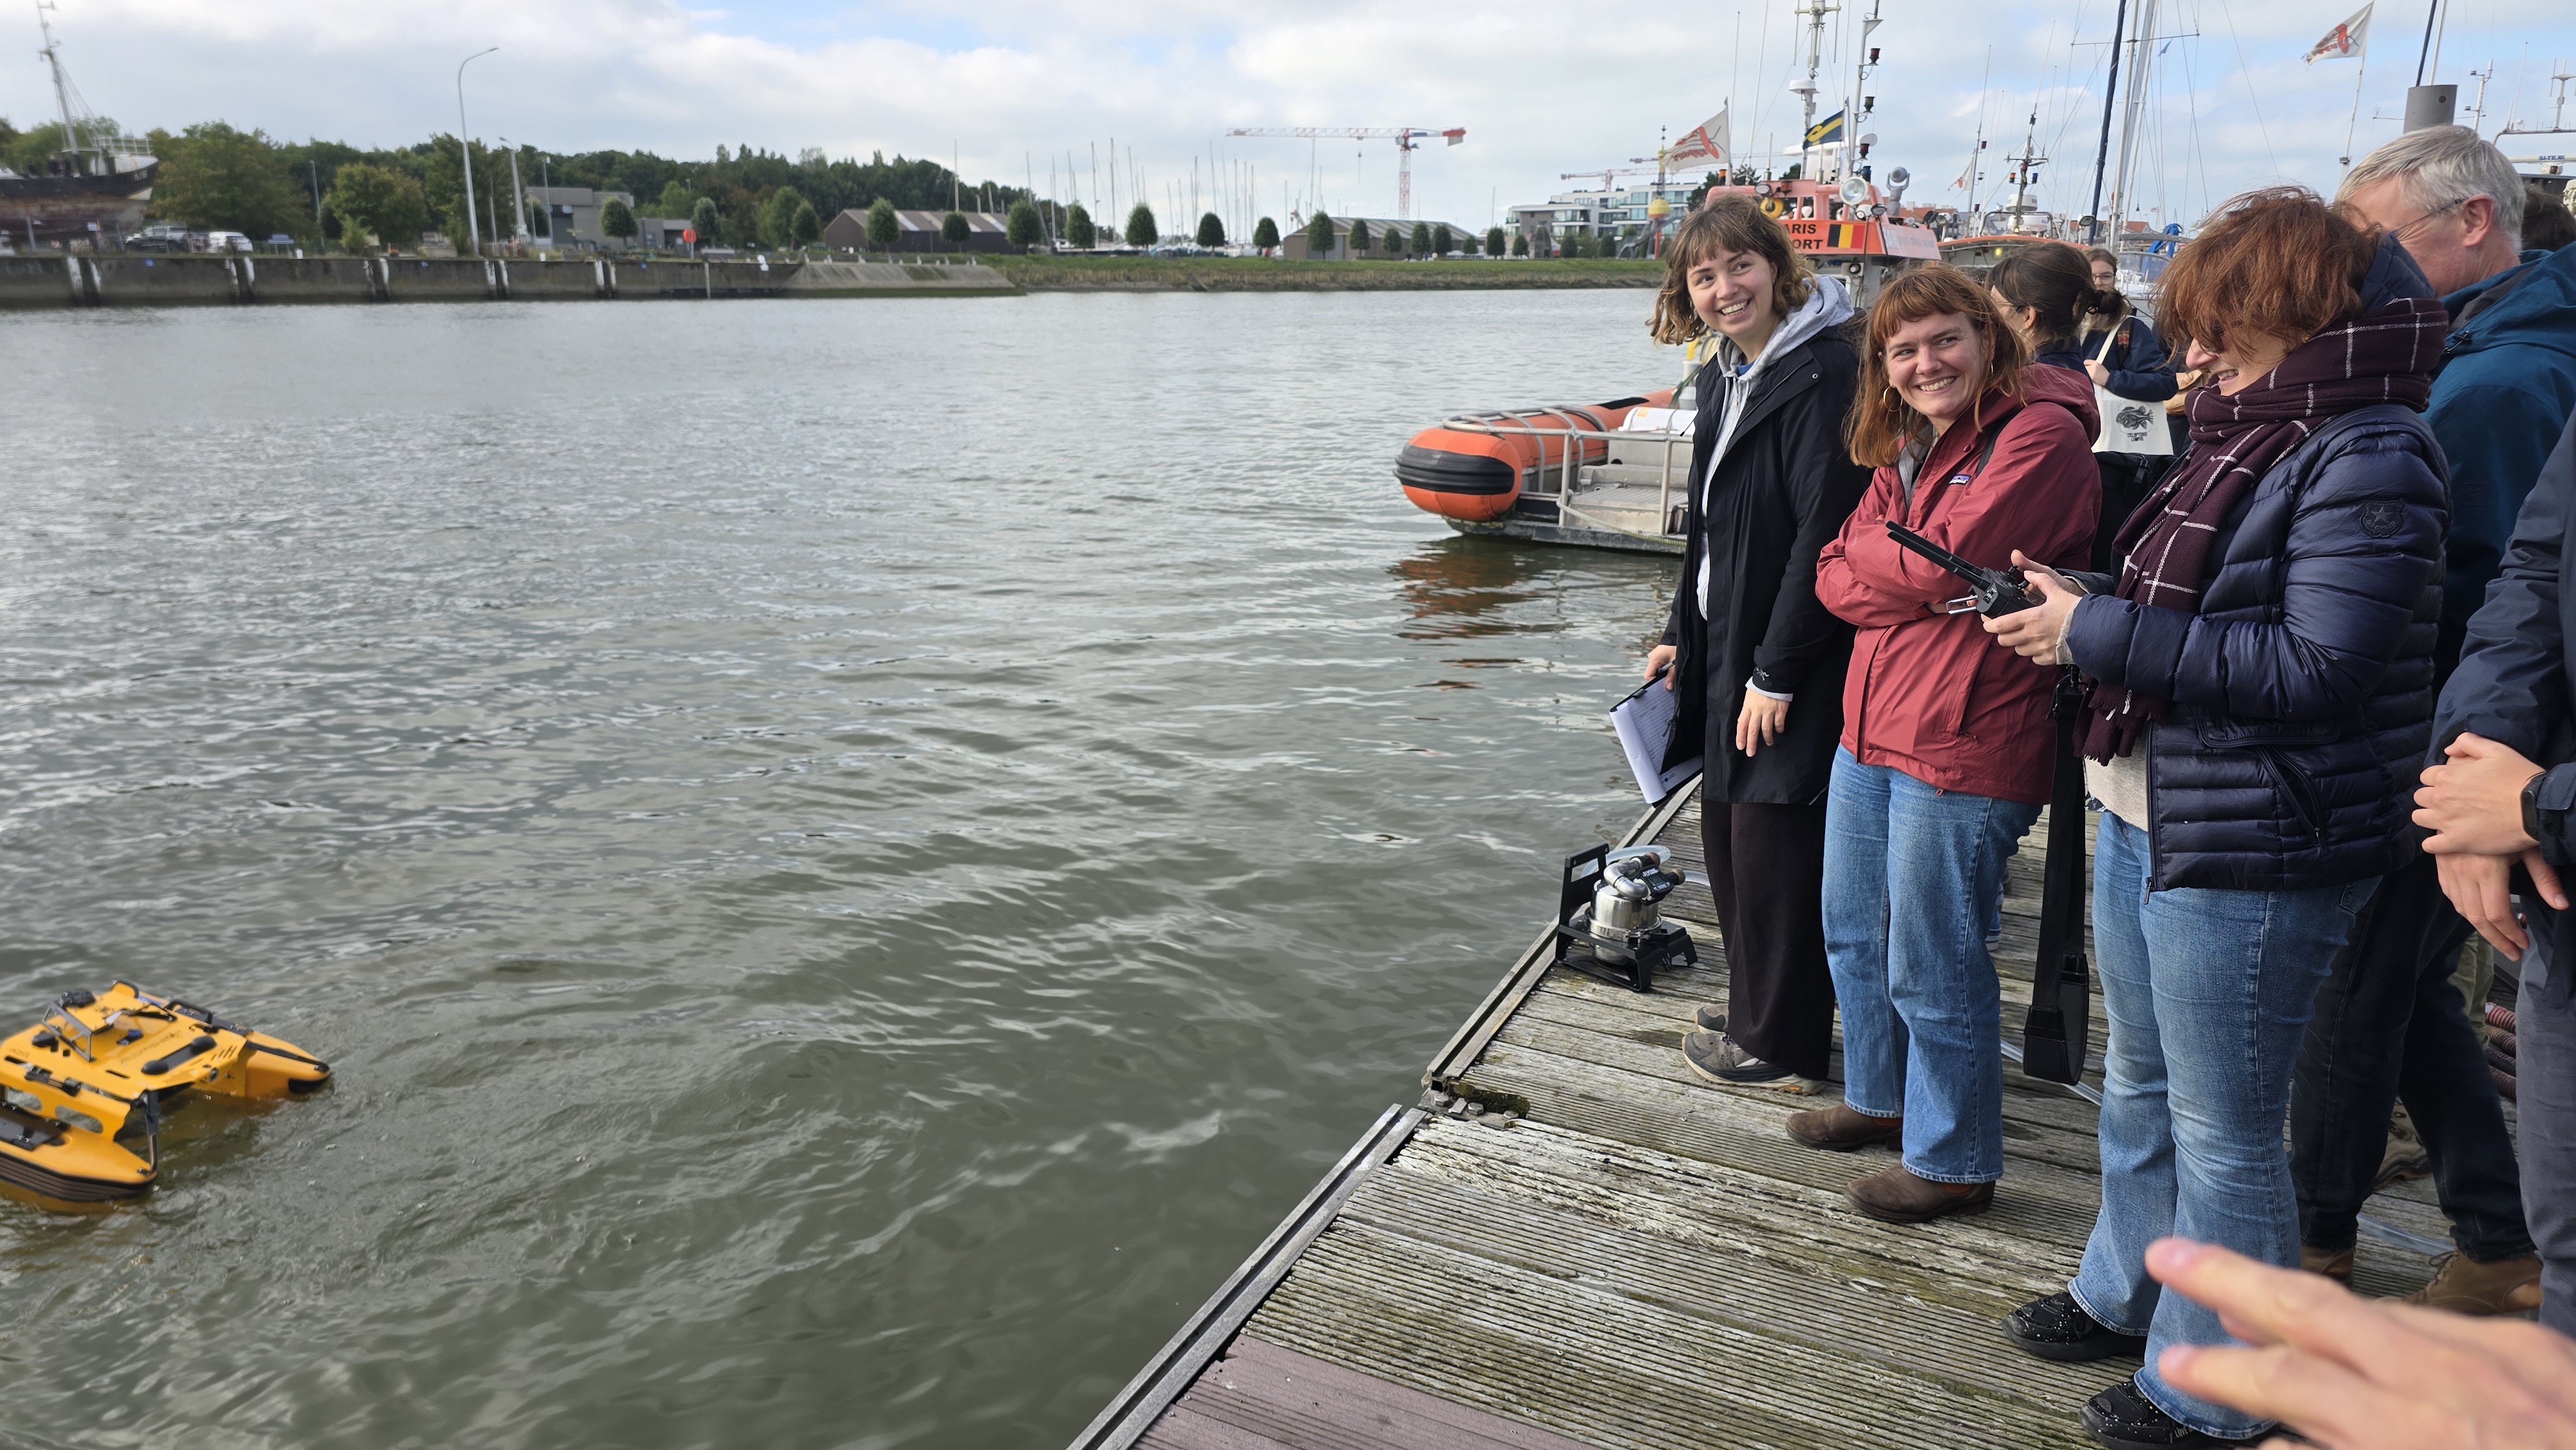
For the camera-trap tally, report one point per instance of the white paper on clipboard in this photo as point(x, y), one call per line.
point(1644, 721)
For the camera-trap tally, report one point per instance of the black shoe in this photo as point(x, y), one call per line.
point(2058, 1328)
point(2124, 1419)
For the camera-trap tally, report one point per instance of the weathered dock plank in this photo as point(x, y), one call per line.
point(1645, 1261)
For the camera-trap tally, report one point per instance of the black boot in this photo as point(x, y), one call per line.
point(2124, 1419)
point(2058, 1328)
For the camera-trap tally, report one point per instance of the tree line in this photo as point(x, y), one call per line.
point(322, 193)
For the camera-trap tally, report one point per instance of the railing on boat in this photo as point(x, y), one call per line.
point(1570, 457)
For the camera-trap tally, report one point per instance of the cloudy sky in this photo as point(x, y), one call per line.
point(1542, 86)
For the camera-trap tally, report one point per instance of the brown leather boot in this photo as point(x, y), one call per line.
point(2465, 1286)
point(1895, 1195)
point(1841, 1128)
point(2335, 1265)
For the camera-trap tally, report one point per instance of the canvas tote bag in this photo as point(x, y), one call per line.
point(2128, 426)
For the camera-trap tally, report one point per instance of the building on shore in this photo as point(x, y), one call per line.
point(570, 217)
point(919, 231)
point(1292, 244)
point(1615, 213)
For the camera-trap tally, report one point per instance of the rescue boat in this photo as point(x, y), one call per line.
point(83, 1092)
point(1563, 473)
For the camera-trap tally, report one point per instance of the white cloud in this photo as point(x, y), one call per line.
point(1542, 87)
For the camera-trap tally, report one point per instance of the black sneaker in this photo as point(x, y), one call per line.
point(2058, 1328)
point(2124, 1419)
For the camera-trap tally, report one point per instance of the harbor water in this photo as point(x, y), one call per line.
point(850, 858)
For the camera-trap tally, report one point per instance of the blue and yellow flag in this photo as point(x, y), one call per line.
point(1827, 131)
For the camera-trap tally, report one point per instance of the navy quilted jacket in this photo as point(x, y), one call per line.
point(2303, 687)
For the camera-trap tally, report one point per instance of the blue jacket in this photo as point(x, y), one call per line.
point(2139, 368)
point(2517, 677)
point(2508, 385)
point(2303, 687)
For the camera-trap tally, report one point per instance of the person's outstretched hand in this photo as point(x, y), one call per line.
point(2366, 1374)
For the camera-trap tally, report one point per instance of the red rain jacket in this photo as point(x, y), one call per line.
point(1931, 694)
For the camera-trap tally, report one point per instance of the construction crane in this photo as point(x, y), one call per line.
point(1648, 168)
point(1406, 138)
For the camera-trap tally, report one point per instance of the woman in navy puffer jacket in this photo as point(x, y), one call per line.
point(2260, 690)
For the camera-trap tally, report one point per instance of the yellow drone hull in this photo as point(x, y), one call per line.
point(82, 1092)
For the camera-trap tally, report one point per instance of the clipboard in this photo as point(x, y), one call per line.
point(1644, 722)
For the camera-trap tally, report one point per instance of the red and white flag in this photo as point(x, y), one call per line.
point(1707, 142)
point(2345, 41)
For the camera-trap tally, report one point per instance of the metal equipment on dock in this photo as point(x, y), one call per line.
point(1571, 1241)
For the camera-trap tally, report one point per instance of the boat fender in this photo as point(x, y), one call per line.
point(197, 1046)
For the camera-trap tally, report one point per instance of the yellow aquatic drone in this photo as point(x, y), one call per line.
point(82, 1092)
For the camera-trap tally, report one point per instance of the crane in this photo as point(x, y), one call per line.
point(1406, 138)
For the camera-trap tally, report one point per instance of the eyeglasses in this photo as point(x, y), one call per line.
point(2399, 232)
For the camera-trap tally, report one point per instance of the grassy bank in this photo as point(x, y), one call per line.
point(1258, 274)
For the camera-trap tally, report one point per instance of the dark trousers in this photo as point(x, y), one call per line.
point(2389, 1026)
point(2126, 480)
point(2545, 1079)
point(1766, 867)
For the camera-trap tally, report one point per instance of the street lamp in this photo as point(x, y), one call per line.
point(465, 144)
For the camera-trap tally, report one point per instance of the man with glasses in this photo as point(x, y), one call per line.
point(2390, 1022)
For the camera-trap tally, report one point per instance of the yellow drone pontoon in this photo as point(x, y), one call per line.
point(82, 1092)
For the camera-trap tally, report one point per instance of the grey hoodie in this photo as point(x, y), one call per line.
point(1829, 304)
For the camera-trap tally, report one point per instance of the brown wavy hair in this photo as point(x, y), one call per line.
point(2278, 261)
point(1726, 224)
point(1881, 422)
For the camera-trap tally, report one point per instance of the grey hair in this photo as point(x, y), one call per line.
point(2442, 166)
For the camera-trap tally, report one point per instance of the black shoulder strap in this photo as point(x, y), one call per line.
point(2056, 1035)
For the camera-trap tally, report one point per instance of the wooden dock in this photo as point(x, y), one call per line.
point(1640, 1259)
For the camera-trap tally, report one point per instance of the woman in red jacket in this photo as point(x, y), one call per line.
point(1946, 749)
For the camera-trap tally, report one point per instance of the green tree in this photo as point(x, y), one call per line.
point(377, 201)
point(616, 219)
point(1265, 235)
point(1141, 231)
point(1021, 227)
point(1493, 241)
point(1360, 242)
point(1391, 241)
point(1467, 245)
point(1520, 244)
point(676, 200)
point(1442, 241)
point(1319, 237)
point(954, 231)
point(1079, 233)
point(778, 217)
point(806, 226)
point(1211, 230)
point(706, 221)
point(882, 226)
point(219, 177)
point(1422, 241)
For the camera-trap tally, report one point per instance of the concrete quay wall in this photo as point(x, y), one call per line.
point(129, 280)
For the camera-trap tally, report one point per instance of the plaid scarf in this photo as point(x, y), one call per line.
point(2386, 356)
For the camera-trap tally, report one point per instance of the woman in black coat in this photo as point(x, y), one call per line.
point(1758, 662)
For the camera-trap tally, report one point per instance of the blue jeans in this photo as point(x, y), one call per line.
point(2208, 993)
point(1908, 869)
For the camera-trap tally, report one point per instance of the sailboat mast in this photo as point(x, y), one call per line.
point(2110, 101)
point(2142, 55)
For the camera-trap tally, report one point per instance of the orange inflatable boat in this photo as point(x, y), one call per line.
point(1475, 466)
